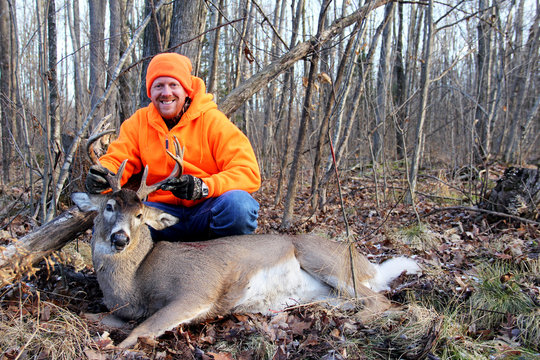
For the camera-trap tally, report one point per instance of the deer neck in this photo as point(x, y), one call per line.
point(117, 272)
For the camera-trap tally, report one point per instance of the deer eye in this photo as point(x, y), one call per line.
point(109, 207)
point(139, 216)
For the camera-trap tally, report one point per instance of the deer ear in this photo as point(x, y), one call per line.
point(84, 202)
point(158, 219)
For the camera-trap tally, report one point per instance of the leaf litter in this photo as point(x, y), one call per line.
point(453, 308)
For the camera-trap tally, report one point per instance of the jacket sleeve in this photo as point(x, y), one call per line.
point(234, 157)
point(126, 146)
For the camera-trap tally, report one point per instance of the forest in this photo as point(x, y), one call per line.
point(394, 125)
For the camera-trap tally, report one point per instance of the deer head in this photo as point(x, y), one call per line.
point(122, 216)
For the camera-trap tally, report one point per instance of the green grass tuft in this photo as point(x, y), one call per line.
point(499, 295)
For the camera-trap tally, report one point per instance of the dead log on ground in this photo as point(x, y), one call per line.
point(18, 259)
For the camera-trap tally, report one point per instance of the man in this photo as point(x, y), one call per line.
point(212, 197)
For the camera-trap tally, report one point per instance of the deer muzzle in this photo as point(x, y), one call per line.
point(119, 240)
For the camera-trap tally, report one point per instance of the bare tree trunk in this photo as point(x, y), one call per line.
point(323, 131)
point(187, 22)
point(44, 105)
point(398, 89)
point(246, 7)
point(516, 85)
point(15, 96)
point(425, 81)
point(341, 133)
point(5, 88)
point(75, 31)
point(115, 37)
point(243, 64)
point(382, 84)
point(289, 79)
point(297, 159)
point(19, 118)
point(53, 86)
point(54, 147)
point(533, 114)
point(97, 52)
point(529, 60)
point(126, 89)
point(212, 84)
point(267, 155)
point(482, 147)
point(152, 43)
point(288, 137)
point(413, 44)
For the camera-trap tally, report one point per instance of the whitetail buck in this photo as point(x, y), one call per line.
point(166, 284)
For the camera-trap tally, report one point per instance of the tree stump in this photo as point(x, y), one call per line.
point(517, 193)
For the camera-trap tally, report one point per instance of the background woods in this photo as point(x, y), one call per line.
point(422, 82)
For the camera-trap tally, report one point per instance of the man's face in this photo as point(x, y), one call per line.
point(168, 96)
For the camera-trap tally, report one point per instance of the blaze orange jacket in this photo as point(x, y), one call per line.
point(215, 149)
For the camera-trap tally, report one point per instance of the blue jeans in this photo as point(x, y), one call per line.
point(233, 213)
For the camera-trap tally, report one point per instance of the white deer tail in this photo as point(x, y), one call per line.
point(391, 269)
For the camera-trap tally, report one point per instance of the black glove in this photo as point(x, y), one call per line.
point(96, 182)
point(186, 187)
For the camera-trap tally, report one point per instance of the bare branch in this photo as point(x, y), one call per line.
point(243, 92)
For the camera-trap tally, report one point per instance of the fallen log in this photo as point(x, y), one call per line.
point(18, 258)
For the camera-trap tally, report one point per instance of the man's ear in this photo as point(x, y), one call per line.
point(159, 219)
point(84, 202)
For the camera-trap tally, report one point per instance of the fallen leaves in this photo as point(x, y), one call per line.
point(449, 247)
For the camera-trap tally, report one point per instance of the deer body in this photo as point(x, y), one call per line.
point(166, 284)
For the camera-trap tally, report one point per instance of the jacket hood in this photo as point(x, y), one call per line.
point(201, 101)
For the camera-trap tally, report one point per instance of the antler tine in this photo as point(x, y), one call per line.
point(90, 145)
point(179, 157)
point(114, 180)
point(145, 189)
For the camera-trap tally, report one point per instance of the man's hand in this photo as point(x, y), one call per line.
point(187, 187)
point(96, 181)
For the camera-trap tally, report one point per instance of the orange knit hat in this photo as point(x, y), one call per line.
point(170, 64)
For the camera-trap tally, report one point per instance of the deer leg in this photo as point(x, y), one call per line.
point(114, 322)
point(165, 319)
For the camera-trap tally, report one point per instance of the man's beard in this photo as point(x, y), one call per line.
point(175, 120)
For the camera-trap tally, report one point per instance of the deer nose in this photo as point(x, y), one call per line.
point(120, 240)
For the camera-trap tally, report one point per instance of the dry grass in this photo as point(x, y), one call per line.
point(418, 237)
point(408, 333)
point(529, 324)
point(51, 332)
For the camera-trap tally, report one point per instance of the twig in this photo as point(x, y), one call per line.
point(495, 213)
point(271, 25)
point(344, 216)
point(444, 183)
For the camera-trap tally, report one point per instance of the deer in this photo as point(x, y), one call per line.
point(162, 285)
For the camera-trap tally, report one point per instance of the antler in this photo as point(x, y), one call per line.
point(113, 180)
point(100, 130)
point(145, 189)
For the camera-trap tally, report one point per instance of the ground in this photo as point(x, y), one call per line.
point(478, 296)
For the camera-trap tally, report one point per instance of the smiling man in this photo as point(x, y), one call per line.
point(212, 197)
